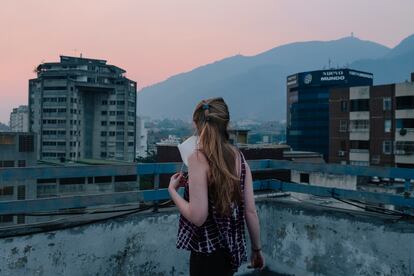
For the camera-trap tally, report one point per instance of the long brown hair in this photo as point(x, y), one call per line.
point(211, 117)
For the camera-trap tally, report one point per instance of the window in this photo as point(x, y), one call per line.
point(343, 126)
point(386, 104)
point(104, 102)
point(26, 143)
point(359, 105)
point(103, 179)
point(72, 180)
point(405, 123)
point(343, 145)
point(359, 125)
point(103, 133)
point(103, 123)
point(7, 164)
point(387, 147)
point(344, 106)
point(359, 145)
point(103, 112)
point(387, 126)
point(404, 147)
point(6, 218)
point(304, 178)
point(21, 163)
point(6, 139)
point(55, 88)
point(405, 102)
point(6, 191)
point(125, 178)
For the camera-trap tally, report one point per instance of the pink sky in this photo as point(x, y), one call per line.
point(155, 39)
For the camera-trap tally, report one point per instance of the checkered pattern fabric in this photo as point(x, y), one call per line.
point(218, 231)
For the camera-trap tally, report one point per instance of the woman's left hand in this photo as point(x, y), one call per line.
point(175, 181)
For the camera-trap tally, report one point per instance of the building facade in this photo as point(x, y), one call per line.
point(142, 138)
point(307, 126)
point(17, 149)
point(373, 125)
point(83, 108)
point(19, 119)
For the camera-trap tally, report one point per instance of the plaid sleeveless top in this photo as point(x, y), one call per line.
point(218, 231)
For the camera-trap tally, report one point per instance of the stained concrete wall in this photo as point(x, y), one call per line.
point(297, 239)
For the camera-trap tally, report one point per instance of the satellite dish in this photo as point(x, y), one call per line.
point(403, 131)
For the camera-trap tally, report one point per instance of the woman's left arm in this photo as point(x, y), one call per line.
point(196, 210)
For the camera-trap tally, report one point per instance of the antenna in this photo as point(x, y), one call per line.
point(329, 63)
point(75, 51)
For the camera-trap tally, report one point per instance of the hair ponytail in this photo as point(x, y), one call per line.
point(211, 118)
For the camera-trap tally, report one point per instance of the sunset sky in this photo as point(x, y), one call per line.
point(155, 39)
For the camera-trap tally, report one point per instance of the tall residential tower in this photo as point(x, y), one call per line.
point(83, 108)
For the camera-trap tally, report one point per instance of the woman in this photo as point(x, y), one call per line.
point(218, 198)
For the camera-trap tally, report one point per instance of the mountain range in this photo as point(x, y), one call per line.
point(255, 86)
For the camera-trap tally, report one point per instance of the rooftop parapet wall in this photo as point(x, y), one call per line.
point(298, 239)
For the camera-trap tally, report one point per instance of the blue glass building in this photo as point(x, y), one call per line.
point(307, 119)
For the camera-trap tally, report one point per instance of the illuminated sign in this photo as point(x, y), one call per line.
point(359, 74)
point(291, 80)
point(332, 76)
point(307, 79)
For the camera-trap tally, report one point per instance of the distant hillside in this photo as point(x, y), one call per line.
point(254, 86)
point(395, 66)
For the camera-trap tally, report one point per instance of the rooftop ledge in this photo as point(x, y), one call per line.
point(299, 237)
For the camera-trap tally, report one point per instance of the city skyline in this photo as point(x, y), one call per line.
point(154, 40)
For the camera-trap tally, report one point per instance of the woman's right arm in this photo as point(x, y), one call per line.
point(252, 221)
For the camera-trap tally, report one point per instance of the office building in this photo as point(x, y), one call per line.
point(307, 126)
point(83, 108)
point(373, 125)
point(19, 119)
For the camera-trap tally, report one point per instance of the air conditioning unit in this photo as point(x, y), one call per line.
point(341, 153)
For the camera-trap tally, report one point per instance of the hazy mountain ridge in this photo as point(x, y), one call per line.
point(254, 86)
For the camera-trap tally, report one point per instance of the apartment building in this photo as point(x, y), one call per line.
point(372, 125)
point(19, 119)
point(83, 108)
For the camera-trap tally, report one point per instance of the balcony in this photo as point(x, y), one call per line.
point(134, 232)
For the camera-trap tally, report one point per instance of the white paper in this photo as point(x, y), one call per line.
point(187, 147)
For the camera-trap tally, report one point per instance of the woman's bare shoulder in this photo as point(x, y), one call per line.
point(197, 158)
